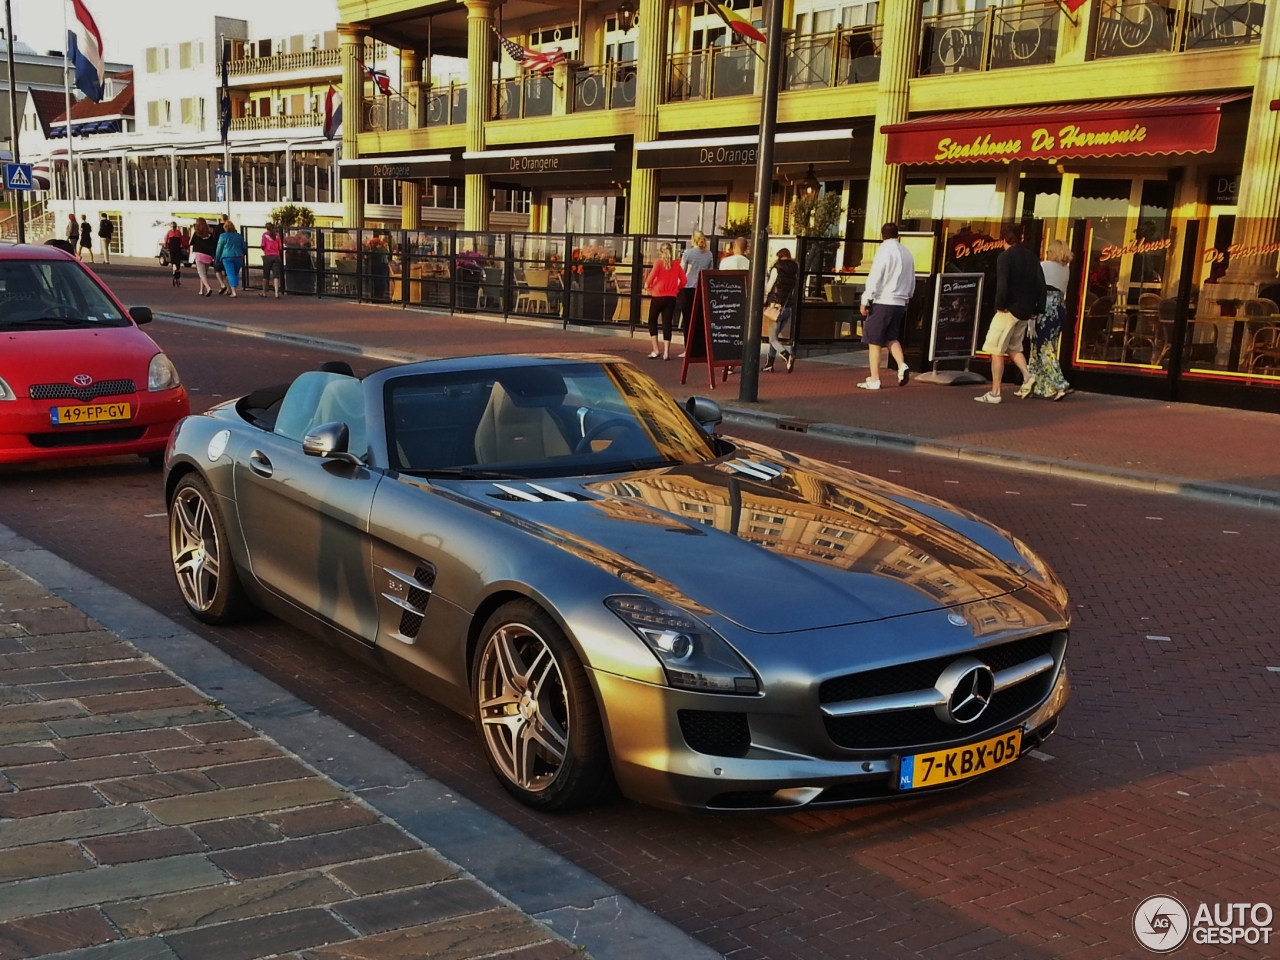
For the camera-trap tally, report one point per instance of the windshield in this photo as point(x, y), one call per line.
point(53, 295)
point(542, 420)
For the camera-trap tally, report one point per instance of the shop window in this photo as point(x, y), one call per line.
point(972, 201)
point(918, 201)
point(681, 215)
point(1039, 198)
point(597, 215)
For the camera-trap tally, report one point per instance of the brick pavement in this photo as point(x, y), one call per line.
point(1175, 440)
point(141, 818)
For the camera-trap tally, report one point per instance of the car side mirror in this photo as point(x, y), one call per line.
point(141, 315)
point(329, 441)
point(705, 412)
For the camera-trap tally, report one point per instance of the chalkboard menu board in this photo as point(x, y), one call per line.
point(717, 329)
point(956, 300)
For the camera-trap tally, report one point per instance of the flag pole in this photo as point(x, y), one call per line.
point(66, 90)
point(15, 125)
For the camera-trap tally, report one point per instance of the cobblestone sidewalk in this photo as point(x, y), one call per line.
point(140, 820)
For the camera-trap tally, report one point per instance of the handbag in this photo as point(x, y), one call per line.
point(771, 313)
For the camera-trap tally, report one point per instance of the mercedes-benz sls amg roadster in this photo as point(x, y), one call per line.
point(618, 596)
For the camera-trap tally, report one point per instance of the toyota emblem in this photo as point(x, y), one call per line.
point(82, 379)
point(966, 687)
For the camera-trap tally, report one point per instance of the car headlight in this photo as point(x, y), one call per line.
point(693, 655)
point(6, 391)
point(162, 374)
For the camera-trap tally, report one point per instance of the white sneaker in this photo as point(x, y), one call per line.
point(870, 385)
point(989, 398)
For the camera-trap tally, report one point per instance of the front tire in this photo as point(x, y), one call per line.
point(536, 714)
point(201, 559)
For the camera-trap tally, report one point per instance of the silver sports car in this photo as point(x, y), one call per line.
point(617, 595)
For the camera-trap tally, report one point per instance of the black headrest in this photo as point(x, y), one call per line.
point(337, 366)
point(533, 386)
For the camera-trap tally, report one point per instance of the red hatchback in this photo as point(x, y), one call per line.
point(77, 377)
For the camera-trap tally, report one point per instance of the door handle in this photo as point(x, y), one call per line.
point(259, 464)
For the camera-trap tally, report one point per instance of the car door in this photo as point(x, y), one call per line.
point(305, 520)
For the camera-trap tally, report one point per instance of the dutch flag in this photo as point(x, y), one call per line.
point(333, 114)
point(84, 52)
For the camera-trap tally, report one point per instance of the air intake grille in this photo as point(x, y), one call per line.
point(69, 391)
point(411, 623)
point(716, 733)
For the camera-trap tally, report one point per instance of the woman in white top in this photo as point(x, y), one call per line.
point(1045, 374)
point(693, 261)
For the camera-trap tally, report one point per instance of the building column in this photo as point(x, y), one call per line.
point(351, 44)
point(1258, 210)
point(475, 213)
point(411, 190)
point(642, 198)
point(884, 189)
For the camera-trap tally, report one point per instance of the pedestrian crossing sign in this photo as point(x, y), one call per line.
point(17, 176)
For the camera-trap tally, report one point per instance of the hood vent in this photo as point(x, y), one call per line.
point(756, 469)
point(535, 493)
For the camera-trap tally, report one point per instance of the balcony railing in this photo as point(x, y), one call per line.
point(712, 73)
point(528, 95)
point(384, 113)
point(1130, 27)
point(609, 86)
point(445, 105)
point(989, 39)
point(305, 60)
point(834, 59)
point(281, 121)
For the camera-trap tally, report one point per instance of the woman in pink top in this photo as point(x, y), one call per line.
point(663, 285)
point(272, 266)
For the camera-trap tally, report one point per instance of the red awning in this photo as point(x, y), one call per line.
point(1114, 128)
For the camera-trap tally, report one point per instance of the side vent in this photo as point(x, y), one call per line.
point(536, 493)
point(412, 593)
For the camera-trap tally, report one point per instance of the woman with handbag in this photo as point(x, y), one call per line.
point(1046, 379)
point(781, 283)
point(664, 283)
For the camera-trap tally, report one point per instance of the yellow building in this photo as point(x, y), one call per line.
point(1138, 116)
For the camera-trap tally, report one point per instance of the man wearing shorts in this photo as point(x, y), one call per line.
point(884, 304)
point(1020, 293)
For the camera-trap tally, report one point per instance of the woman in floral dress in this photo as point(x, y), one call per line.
point(1046, 378)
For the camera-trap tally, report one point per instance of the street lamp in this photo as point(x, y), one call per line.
point(809, 185)
point(626, 15)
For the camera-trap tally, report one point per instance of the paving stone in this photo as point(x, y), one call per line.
point(40, 710)
point(71, 826)
point(72, 771)
point(54, 932)
point(219, 732)
point(391, 873)
point(79, 689)
point(458, 938)
point(213, 754)
point(259, 936)
point(325, 818)
point(142, 700)
point(23, 733)
point(150, 949)
point(138, 720)
point(231, 901)
point(551, 950)
point(143, 845)
point(259, 771)
point(116, 668)
point(289, 855)
point(105, 648)
point(18, 676)
point(42, 860)
point(21, 756)
point(407, 908)
point(112, 744)
point(237, 832)
point(60, 622)
point(156, 785)
point(106, 884)
point(15, 695)
point(242, 801)
point(32, 803)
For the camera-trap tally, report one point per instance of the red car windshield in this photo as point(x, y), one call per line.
point(53, 294)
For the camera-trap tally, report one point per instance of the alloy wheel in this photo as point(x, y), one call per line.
point(523, 706)
point(194, 548)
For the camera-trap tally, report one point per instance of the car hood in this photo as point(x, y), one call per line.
point(770, 545)
point(55, 356)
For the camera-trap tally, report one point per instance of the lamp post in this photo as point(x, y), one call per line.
point(14, 124)
point(749, 387)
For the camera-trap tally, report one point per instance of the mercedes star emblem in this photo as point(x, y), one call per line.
point(966, 686)
point(956, 619)
point(82, 379)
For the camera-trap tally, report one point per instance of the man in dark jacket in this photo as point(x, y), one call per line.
point(1020, 294)
point(106, 229)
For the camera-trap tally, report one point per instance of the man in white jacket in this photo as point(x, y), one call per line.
point(884, 304)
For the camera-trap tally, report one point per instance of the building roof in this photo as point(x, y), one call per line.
point(49, 106)
point(121, 105)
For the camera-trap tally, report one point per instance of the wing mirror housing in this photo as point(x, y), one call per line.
point(329, 441)
point(705, 412)
point(141, 315)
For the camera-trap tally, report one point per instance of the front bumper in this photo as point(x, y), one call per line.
point(26, 435)
point(654, 764)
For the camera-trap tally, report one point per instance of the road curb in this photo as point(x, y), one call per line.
point(574, 903)
point(1024, 462)
point(1224, 493)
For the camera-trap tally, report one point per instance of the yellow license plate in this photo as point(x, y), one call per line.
point(958, 763)
point(89, 413)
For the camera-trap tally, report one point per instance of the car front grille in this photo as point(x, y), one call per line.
point(909, 730)
point(69, 391)
point(86, 438)
point(715, 732)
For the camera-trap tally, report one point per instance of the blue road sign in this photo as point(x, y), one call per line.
point(220, 190)
point(17, 176)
